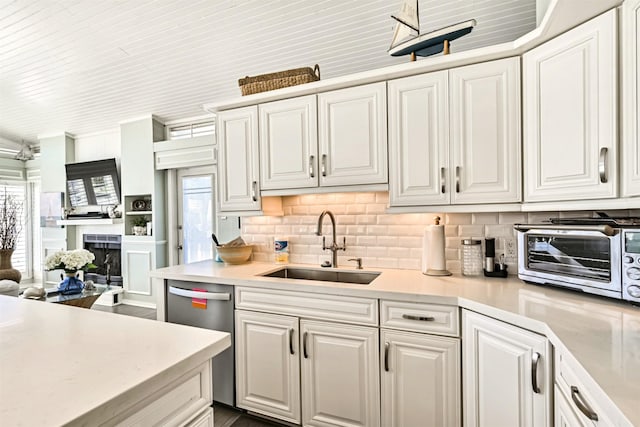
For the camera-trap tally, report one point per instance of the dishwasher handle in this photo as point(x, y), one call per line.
point(219, 296)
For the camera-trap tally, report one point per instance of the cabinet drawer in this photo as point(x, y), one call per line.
point(579, 391)
point(420, 317)
point(174, 405)
point(312, 306)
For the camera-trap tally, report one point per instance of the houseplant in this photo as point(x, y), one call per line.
point(10, 228)
point(71, 262)
point(139, 226)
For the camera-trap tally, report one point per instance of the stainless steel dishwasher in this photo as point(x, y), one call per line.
point(207, 306)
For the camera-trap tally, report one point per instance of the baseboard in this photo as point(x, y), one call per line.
point(139, 303)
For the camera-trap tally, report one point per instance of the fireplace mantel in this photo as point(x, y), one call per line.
point(89, 221)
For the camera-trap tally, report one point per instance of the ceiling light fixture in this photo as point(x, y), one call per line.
point(25, 153)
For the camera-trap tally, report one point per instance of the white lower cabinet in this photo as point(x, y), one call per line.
point(340, 381)
point(506, 374)
point(333, 367)
point(268, 365)
point(420, 377)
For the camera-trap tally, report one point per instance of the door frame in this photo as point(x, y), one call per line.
point(174, 194)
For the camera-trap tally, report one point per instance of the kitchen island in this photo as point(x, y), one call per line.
point(63, 365)
point(599, 335)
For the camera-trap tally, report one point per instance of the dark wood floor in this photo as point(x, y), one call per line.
point(223, 415)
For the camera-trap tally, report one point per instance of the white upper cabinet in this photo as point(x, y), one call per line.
point(570, 114)
point(419, 140)
point(238, 159)
point(485, 132)
point(289, 143)
point(630, 98)
point(455, 136)
point(352, 128)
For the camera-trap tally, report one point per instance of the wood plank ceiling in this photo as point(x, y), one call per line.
point(82, 66)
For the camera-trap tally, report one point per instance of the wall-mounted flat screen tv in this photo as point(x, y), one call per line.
point(93, 183)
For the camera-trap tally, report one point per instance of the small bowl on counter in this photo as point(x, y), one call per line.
point(235, 254)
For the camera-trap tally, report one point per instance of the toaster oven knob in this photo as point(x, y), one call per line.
point(634, 291)
point(628, 259)
point(633, 273)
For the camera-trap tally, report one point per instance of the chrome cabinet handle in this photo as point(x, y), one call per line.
point(254, 191)
point(312, 173)
point(291, 350)
point(535, 358)
point(422, 318)
point(386, 356)
point(458, 179)
point(443, 183)
point(304, 346)
point(602, 165)
point(583, 406)
point(324, 165)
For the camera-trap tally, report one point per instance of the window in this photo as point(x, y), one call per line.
point(192, 129)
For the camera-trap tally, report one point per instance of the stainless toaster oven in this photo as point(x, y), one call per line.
point(586, 256)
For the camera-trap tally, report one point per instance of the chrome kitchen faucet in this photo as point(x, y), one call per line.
point(334, 247)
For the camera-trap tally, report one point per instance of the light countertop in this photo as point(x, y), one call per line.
point(602, 335)
point(61, 364)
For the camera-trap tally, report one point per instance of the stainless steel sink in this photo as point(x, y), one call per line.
point(357, 277)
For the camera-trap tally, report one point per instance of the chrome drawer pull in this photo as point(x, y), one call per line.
point(291, 350)
point(443, 183)
point(312, 173)
point(584, 408)
point(254, 191)
point(386, 356)
point(304, 346)
point(602, 165)
point(421, 318)
point(323, 166)
point(535, 358)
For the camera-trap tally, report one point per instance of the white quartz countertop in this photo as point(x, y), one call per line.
point(602, 335)
point(63, 365)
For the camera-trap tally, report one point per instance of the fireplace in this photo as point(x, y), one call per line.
point(106, 248)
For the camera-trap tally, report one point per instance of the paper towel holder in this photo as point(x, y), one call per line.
point(433, 271)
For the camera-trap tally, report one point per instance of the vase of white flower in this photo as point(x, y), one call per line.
point(71, 262)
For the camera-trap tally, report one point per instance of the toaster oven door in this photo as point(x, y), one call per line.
point(579, 259)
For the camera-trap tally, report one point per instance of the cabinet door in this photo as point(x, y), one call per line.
point(238, 159)
point(570, 114)
point(420, 380)
point(630, 35)
point(499, 372)
point(289, 144)
point(419, 140)
point(353, 135)
point(340, 376)
point(485, 132)
point(138, 259)
point(268, 365)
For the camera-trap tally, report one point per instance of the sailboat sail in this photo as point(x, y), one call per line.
point(408, 25)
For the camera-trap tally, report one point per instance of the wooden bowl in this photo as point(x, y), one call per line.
point(235, 254)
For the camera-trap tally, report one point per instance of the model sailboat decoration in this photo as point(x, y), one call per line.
point(408, 40)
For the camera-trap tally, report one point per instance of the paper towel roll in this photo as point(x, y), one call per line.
point(436, 258)
point(425, 250)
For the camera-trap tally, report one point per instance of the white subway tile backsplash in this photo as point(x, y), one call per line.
point(456, 218)
point(485, 218)
point(471, 231)
point(382, 240)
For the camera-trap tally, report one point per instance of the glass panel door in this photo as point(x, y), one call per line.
point(196, 214)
